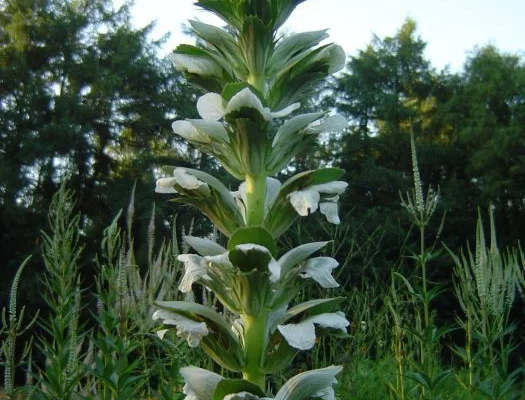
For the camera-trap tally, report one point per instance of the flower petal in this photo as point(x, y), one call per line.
point(165, 185)
point(195, 268)
point(304, 201)
point(245, 98)
point(275, 270)
point(186, 180)
point(320, 270)
point(246, 247)
point(334, 187)
point(211, 129)
point(200, 383)
point(209, 106)
point(161, 333)
point(335, 320)
point(330, 211)
point(188, 131)
point(188, 329)
point(300, 336)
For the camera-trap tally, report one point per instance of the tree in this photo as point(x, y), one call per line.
point(81, 90)
point(387, 89)
point(489, 110)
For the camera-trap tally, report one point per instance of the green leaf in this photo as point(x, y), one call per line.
point(282, 10)
point(250, 260)
point(249, 139)
point(221, 344)
point(256, 42)
point(289, 48)
point(218, 205)
point(191, 310)
point(309, 178)
point(256, 235)
point(282, 215)
point(223, 9)
point(231, 89)
point(223, 42)
point(312, 307)
point(204, 247)
point(293, 126)
point(231, 386)
point(280, 357)
point(298, 254)
point(406, 282)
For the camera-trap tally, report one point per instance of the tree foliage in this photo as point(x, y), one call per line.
point(84, 97)
point(468, 126)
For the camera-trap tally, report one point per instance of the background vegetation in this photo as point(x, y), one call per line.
point(84, 98)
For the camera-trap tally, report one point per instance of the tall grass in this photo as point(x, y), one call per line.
point(13, 327)
point(108, 351)
point(394, 347)
point(486, 282)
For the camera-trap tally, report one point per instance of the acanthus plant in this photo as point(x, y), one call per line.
point(252, 76)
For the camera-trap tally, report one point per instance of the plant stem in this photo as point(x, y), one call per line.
point(255, 327)
point(424, 276)
point(258, 82)
point(255, 194)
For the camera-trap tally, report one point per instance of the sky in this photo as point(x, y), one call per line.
point(451, 28)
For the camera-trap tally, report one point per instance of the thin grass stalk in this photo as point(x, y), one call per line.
point(14, 330)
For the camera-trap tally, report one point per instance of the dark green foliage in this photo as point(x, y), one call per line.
point(84, 97)
point(468, 127)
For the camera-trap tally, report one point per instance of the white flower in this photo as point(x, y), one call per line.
point(320, 270)
point(161, 333)
point(245, 98)
point(302, 335)
point(334, 187)
point(330, 210)
point(306, 201)
point(186, 180)
point(200, 383)
point(195, 267)
point(165, 185)
point(211, 106)
point(200, 131)
point(188, 329)
point(188, 132)
point(181, 178)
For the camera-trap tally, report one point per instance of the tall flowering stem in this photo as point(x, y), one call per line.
point(252, 77)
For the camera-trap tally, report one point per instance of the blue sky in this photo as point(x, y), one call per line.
point(451, 28)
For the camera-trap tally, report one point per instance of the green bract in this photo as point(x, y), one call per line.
point(253, 78)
